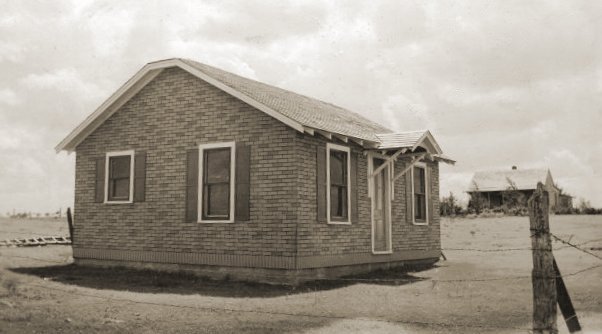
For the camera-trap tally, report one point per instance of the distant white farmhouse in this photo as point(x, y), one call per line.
point(493, 187)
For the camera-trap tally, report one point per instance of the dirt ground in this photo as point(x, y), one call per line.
point(481, 288)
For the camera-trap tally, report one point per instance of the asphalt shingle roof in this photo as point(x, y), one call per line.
point(399, 139)
point(298, 111)
point(524, 179)
point(305, 110)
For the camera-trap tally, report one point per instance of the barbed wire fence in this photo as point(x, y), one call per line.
point(566, 244)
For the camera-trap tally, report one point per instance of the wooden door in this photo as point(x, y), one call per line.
point(381, 228)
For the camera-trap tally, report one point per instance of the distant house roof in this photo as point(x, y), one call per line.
point(302, 113)
point(523, 179)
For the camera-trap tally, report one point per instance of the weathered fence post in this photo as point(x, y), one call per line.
point(543, 275)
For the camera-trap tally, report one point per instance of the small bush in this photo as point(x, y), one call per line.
point(448, 206)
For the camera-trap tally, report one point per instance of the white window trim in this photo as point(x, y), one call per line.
point(118, 154)
point(426, 194)
point(345, 149)
point(202, 147)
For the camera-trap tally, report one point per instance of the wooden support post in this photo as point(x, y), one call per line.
point(543, 276)
point(564, 301)
point(388, 161)
point(408, 167)
point(70, 222)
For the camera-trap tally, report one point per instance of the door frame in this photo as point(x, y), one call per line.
point(388, 196)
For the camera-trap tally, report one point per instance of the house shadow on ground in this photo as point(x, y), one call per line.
point(148, 281)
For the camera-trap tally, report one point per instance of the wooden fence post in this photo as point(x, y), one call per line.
point(70, 222)
point(543, 275)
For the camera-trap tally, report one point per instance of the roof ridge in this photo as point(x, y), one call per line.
point(512, 170)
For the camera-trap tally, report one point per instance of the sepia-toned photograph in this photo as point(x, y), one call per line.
point(301, 166)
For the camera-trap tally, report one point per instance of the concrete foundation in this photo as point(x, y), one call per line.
point(262, 275)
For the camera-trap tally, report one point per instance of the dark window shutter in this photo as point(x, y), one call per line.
point(429, 197)
point(409, 196)
point(243, 183)
point(321, 184)
point(99, 195)
point(140, 177)
point(354, 191)
point(192, 184)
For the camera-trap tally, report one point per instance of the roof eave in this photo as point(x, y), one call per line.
point(109, 106)
point(141, 79)
point(363, 142)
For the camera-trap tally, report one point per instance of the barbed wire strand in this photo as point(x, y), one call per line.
point(483, 250)
point(575, 246)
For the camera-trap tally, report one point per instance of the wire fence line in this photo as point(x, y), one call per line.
point(575, 246)
point(589, 241)
point(481, 250)
point(469, 249)
point(499, 250)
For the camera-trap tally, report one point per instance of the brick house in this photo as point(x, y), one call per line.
point(494, 188)
point(189, 167)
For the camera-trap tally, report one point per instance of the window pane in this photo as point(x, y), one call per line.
point(334, 201)
point(343, 201)
point(121, 188)
point(217, 199)
point(420, 207)
point(217, 165)
point(120, 166)
point(338, 167)
point(338, 202)
point(419, 180)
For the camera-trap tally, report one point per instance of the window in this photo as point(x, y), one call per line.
point(216, 173)
point(119, 185)
point(338, 197)
point(419, 188)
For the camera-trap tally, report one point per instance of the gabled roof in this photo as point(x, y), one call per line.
point(410, 140)
point(302, 113)
point(523, 179)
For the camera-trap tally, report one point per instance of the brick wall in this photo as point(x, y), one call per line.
point(321, 240)
point(173, 113)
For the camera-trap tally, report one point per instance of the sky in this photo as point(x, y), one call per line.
point(498, 83)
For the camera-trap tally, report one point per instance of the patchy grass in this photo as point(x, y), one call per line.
point(10, 286)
